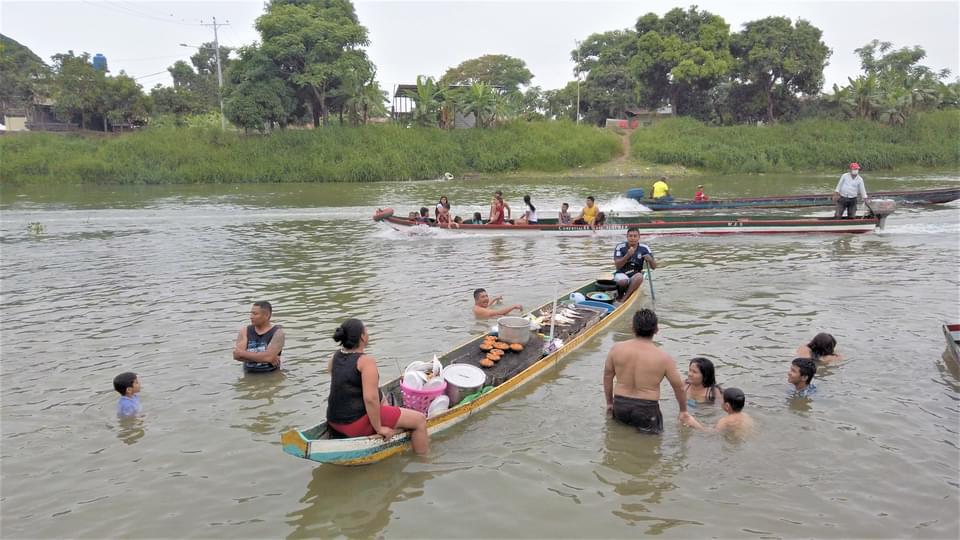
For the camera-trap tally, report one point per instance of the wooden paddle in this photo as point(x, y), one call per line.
point(650, 279)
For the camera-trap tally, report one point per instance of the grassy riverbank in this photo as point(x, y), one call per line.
point(928, 140)
point(333, 154)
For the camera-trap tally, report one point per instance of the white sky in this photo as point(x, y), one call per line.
point(427, 37)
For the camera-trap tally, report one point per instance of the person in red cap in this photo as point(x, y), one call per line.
point(848, 189)
point(700, 196)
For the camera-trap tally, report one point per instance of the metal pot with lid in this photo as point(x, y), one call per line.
point(462, 380)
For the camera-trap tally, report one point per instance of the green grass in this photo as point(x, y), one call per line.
point(927, 140)
point(332, 154)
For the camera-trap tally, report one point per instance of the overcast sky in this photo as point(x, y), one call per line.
point(427, 37)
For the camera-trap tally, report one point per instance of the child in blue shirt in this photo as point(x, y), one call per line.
point(128, 386)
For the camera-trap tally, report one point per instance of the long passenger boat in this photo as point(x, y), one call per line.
point(922, 196)
point(319, 443)
point(675, 225)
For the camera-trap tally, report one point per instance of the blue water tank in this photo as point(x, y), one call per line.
point(635, 193)
point(100, 62)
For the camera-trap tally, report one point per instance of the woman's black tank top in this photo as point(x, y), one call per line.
point(345, 404)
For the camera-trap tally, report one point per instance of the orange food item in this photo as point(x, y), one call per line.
point(497, 358)
point(486, 362)
point(502, 345)
point(516, 347)
point(496, 352)
point(486, 346)
point(491, 356)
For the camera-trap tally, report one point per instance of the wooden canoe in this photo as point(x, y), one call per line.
point(510, 373)
point(669, 225)
point(951, 332)
point(920, 196)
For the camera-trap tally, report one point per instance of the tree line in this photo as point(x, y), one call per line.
point(310, 66)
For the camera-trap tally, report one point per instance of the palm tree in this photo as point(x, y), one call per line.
point(481, 100)
point(426, 101)
point(451, 101)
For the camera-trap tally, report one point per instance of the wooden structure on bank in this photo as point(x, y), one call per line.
point(402, 105)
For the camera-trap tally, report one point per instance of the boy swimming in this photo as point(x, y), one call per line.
point(128, 386)
point(736, 421)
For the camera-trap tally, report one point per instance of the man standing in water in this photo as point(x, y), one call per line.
point(639, 366)
point(260, 344)
point(848, 189)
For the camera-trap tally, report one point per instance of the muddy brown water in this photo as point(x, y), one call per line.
point(158, 280)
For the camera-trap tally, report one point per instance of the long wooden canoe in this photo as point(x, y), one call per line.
point(921, 196)
point(951, 332)
point(511, 372)
point(672, 225)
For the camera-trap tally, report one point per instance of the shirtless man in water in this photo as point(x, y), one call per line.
point(639, 367)
point(482, 303)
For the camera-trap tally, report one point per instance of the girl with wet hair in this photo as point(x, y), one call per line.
point(354, 407)
point(820, 349)
point(701, 384)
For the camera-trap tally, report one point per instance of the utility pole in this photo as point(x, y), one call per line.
point(577, 71)
point(216, 46)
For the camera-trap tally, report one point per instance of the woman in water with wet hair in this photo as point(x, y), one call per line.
point(354, 407)
point(701, 384)
point(820, 349)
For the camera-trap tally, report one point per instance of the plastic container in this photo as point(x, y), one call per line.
point(592, 303)
point(419, 400)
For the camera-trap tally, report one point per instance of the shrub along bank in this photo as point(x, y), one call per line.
point(927, 140)
point(331, 154)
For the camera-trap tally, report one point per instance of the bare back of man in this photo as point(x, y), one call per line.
point(632, 376)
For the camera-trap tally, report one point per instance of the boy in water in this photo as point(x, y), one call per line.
point(128, 386)
point(736, 421)
point(801, 375)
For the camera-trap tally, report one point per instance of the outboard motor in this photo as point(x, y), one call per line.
point(635, 193)
point(881, 208)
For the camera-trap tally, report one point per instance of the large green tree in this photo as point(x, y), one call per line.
point(258, 96)
point(680, 55)
point(77, 87)
point(314, 43)
point(499, 70)
point(777, 56)
point(23, 76)
point(609, 86)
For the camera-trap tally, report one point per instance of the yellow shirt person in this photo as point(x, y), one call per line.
point(661, 189)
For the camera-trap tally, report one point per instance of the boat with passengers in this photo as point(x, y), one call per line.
point(565, 324)
point(920, 196)
point(878, 211)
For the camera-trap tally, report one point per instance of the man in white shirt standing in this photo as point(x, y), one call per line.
point(848, 189)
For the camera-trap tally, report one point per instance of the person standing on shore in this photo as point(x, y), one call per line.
point(848, 189)
point(632, 375)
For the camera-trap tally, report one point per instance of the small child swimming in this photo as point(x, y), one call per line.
point(128, 386)
point(735, 422)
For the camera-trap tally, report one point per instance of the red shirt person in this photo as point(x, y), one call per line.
point(700, 196)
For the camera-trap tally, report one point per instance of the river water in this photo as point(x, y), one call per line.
point(158, 280)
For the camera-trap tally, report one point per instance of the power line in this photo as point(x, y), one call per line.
point(122, 10)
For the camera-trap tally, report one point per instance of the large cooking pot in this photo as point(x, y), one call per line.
point(514, 329)
point(462, 380)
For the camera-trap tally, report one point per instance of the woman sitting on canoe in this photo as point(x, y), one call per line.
point(529, 216)
point(820, 349)
point(354, 407)
point(701, 384)
point(497, 207)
